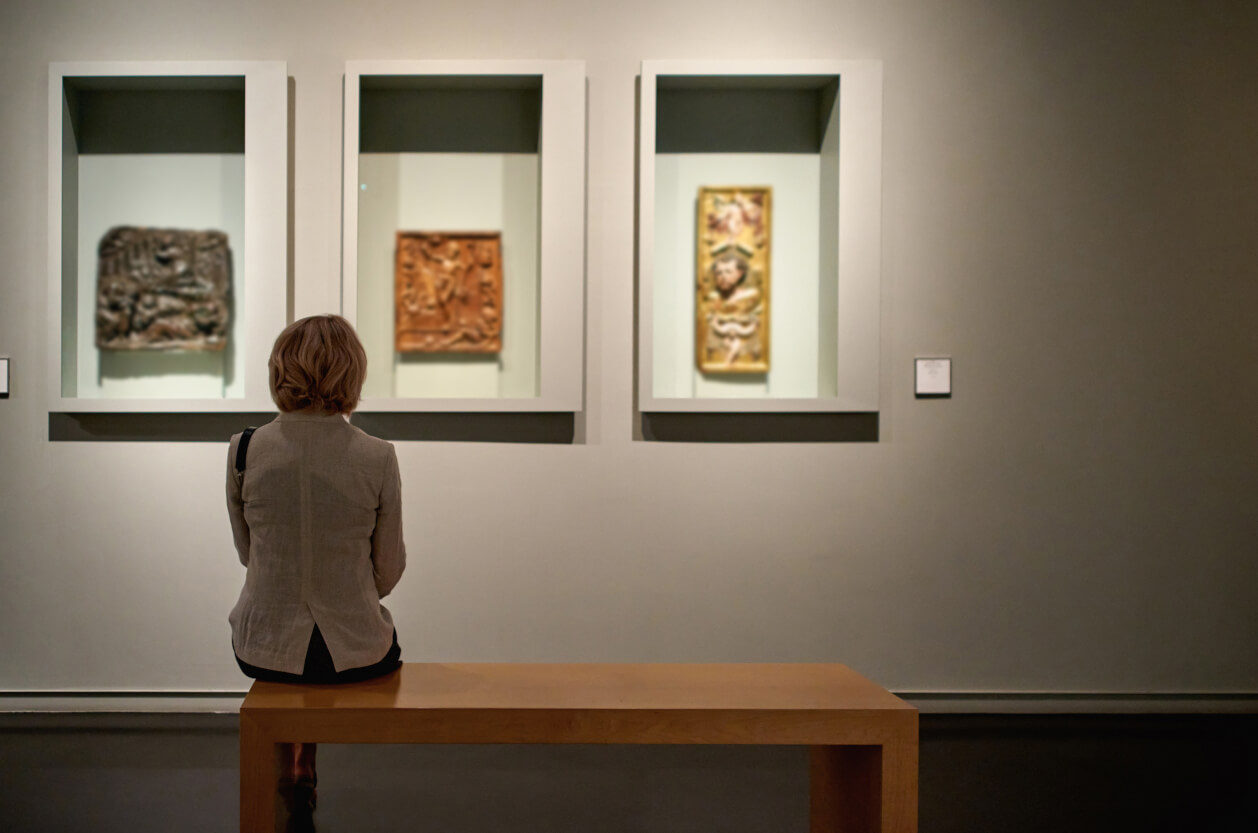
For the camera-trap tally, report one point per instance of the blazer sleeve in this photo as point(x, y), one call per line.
point(236, 504)
point(388, 551)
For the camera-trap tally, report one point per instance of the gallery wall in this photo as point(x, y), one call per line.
point(1070, 206)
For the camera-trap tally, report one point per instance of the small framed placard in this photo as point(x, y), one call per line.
point(932, 377)
point(4, 378)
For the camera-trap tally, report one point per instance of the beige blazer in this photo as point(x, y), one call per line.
point(317, 520)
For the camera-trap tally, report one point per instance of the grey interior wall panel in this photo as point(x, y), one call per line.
point(1070, 205)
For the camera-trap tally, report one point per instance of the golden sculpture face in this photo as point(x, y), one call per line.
point(728, 273)
point(448, 292)
point(732, 280)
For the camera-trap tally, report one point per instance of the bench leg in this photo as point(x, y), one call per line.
point(259, 776)
point(864, 789)
point(899, 785)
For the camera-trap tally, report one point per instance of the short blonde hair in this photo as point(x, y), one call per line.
point(318, 364)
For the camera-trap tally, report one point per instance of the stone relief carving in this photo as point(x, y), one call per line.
point(163, 289)
point(732, 280)
point(448, 292)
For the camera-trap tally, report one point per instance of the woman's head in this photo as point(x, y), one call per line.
point(318, 364)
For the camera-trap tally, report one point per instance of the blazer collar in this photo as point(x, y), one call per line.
point(299, 416)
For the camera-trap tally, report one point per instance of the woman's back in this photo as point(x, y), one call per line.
point(317, 519)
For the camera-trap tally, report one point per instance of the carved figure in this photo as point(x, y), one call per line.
point(162, 289)
point(448, 292)
point(732, 280)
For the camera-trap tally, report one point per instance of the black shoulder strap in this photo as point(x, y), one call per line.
point(242, 449)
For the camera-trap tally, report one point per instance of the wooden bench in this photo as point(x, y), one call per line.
point(863, 738)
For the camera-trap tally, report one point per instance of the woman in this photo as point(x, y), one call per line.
point(316, 512)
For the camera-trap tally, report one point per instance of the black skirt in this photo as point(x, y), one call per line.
point(319, 668)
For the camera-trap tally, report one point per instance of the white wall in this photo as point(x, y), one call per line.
point(1071, 193)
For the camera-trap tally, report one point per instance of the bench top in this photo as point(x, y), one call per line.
point(743, 687)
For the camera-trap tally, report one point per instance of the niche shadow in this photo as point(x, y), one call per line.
point(151, 427)
point(859, 427)
point(546, 427)
point(556, 428)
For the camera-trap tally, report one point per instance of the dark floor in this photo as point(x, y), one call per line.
point(979, 773)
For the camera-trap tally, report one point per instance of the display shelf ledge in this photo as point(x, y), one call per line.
point(465, 406)
point(161, 406)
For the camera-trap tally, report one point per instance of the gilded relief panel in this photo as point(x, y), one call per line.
point(732, 280)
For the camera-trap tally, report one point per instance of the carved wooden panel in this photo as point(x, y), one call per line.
point(448, 292)
point(163, 289)
point(732, 280)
